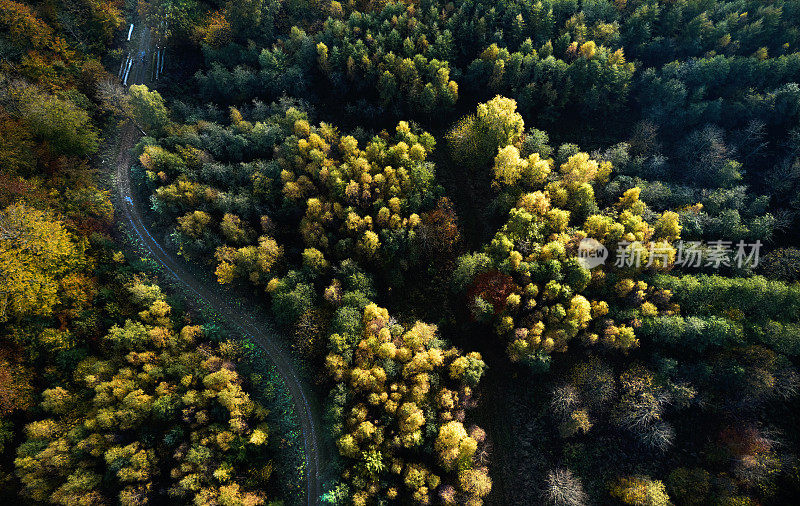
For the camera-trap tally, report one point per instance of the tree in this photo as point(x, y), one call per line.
point(468, 368)
point(563, 488)
point(148, 378)
point(245, 16)
point(439, 233)
point(36, 254)
point(148, 109)
point(391, 405)
point(289, 303)
point(510, 169)
point(690, 486)
point(65, 127)
point(640, 491)
point(16, 146)
point(475, 140)
point(454, 445)
point(17, 391)
point(24, 28)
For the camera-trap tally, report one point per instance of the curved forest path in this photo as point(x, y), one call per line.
point(240, 313)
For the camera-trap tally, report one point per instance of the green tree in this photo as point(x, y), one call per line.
point(66, 128)
point(148, 109)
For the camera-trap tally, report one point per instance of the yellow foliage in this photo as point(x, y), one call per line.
point(454, 445)
point(35, 254)
point(640, 491)
point(588, 49)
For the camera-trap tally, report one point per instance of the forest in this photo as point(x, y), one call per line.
point(526, 252)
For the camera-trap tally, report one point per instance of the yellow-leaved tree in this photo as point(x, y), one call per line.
point(36, 255)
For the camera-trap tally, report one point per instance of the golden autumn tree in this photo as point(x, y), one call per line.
point(150, 377)
point(401, 429)
point(36, 256)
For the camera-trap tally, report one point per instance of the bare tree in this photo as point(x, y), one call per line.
point(563, 488)
point(565, 400)
point(113, 96)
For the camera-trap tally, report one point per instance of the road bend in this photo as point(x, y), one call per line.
point(249, 323)
point(240, 314)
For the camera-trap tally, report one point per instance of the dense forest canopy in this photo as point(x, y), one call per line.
point(539, 252)
point(111, 394)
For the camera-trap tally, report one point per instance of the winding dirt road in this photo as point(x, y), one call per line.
point(241, 314)
point(238, 312)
